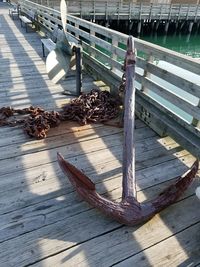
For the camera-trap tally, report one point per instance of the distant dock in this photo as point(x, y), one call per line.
point(133, 15)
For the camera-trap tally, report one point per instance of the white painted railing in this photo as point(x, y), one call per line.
point(168, 83)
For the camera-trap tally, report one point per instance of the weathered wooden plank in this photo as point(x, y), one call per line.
point(27, 71)
point(24, 93)
point(56, 101)
point(172, 97)
point(35, 52)
point(59, 232)
point(63, 128)
point(13, 40)
point(188, 138)
point(170, 77)
point(33, 39)
point(21, 92)
point(65, 139)
point(18, 137)
point(47, 101)
point(170, 56)
point(41, 197)
point(178, 250)
point(26, 161)
point(41, 76)
point(22, 64)
point(104, 167)
point(29, 93)
point(21, 83)
point(126, 241)
point(70, 205)
point(10, 49)
point(177, 120)
point(19, 58)
point(46, 238)
point(46, 181)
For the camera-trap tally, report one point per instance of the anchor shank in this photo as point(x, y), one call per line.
point(129, 182)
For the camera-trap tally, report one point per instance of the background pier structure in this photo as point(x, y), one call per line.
point(133, 15)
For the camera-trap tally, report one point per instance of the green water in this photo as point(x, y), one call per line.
point(182, 43)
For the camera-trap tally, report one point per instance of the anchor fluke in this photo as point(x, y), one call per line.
point(129, 211)
point(76, 177)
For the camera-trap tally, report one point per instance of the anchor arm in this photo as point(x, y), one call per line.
point(174, 191)
point(129, 211)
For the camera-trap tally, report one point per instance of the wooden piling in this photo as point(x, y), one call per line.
point(166, 26)
point(190, 26)
point(139, 27)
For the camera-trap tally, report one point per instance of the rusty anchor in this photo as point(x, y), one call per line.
point(129, 211)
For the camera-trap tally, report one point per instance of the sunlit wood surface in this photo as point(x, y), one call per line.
point(43, 222)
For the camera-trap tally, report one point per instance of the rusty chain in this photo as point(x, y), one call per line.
point(96, 106)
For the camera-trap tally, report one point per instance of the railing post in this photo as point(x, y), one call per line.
point(118, 8)
point(106, 10)
point(78, 52)
point(75, 32)
point(188, 12)
point(92, 44)
point(170, 12)
point(179, 14)
point(140, 12)
point(150, 12)
point(147, 74)
point(167, 22)
point(196, 12)
point(139, 26)
point(195, 122)
point(114, 56)
point(81, 8)
point(94, 10)
point(130, 9)
point(161, 11)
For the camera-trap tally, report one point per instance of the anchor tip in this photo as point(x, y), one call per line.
point(59, 156)
point(77, 178)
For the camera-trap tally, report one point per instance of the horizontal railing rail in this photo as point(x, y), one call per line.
point(166, 80)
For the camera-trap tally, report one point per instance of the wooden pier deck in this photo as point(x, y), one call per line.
point(42, 220)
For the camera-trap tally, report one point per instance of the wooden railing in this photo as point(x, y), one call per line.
point(96, 9)
point(168, 83)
